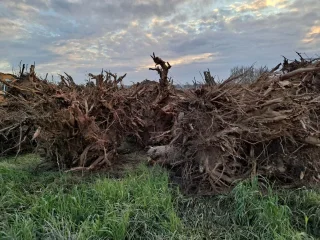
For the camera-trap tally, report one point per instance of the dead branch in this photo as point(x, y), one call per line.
point(163, 71)
point(298, 71)
point(208, 78)
point(275, 68)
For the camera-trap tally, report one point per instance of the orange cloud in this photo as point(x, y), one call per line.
point(184, 60)
point(192, 59)
point(258, 5)
point(314, 31)
point(312, 34)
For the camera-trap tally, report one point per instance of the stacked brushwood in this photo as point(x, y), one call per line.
point(81, 127)
point(210, 137)
point(74, 126)
point(233, 131)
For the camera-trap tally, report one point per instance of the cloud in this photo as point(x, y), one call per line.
point(184, 60)
point(192, 59)
point(5, 66)
point(193, 35)
point(258, 5)
point(313, 34)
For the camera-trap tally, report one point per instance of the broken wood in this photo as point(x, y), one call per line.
point(163, 71)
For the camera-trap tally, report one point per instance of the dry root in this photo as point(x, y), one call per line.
point(211, 137)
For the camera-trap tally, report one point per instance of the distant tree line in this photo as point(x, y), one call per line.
point(251, 74)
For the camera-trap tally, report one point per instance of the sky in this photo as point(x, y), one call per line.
point(82, 36)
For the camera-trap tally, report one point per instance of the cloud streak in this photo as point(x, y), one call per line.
point(258, 5)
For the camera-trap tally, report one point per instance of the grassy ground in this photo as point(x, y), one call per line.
point(52, 205)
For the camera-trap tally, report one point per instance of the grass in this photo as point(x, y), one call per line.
point(142, 205)
point(247, 213)
point(62, 206)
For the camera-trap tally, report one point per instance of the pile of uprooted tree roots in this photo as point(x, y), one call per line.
point(210, 137)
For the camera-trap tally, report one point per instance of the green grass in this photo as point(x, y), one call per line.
point(142, 205)
point(62, 206)
point(250, 213)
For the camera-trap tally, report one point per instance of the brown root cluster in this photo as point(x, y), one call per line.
point(210, 137)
